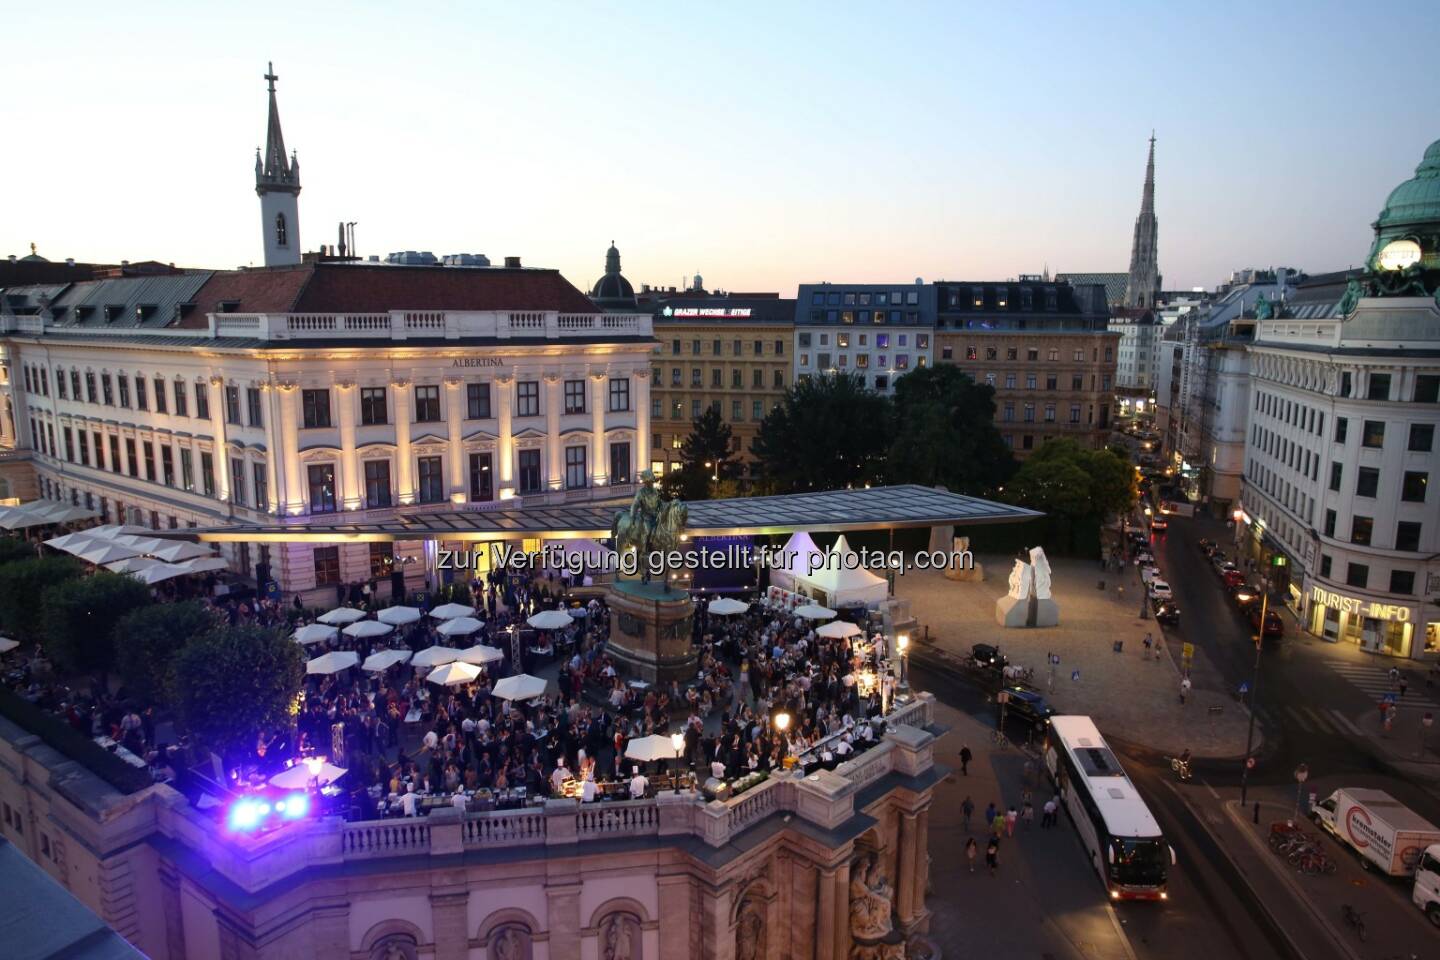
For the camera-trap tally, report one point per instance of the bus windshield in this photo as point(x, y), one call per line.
point(1140, 862)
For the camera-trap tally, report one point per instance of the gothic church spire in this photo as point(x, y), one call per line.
point(1143, 286)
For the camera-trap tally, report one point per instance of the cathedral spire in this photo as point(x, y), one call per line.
point(277, 183)
point(277, 169)
point(1143, 286)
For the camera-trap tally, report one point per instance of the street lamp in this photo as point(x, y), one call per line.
point(1302, 773)
point(677, 740)
point(1255, 687)
point(902, 644)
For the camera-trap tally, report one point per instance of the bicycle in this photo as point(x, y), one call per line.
point(1354, 918)
point(998, 739)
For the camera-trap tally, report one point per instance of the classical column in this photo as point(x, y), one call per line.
point(404, 467)
point(832, 913)
point(222, 449)
point(273, 445)
point(640, 396)
point(599, 465)
point(448, 916)
point(905, 868)
point(455, 419)
point(554, 464)
point(351, 492)
point(504, 401)
point(922, 864)
point(676, 922)
point(563, 922)
point(294, 502)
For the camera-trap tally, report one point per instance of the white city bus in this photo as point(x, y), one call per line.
point(1119, 834)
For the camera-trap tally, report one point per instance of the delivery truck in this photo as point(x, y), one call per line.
point(1387, 834)
point(1427, 884)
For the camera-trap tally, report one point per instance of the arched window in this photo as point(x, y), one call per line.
point(282, 232)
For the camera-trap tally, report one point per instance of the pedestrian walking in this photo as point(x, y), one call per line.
point(966, 809)
point(965, 758)
point(1011, 816)
point(1403, 684)
point(989, 815)
point(1052, 813)
point(997, 826)
point(1149, 642)
point(992, 855)
point(1394, 676)
point(971, 850)
point(1184, 689)
point(1028, 814)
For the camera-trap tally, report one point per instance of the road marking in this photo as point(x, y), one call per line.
point(1319, 718)
point(1345, 724)
point(1299, 719)
point(1211, 789)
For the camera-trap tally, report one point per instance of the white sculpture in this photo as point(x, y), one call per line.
point(1020, 580)
point(1042, 573)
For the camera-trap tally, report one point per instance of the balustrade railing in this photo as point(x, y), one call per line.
point(385, 838)
point(504, 828)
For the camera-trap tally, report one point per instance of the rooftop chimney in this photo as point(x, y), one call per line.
point(69, 261)
point(512, 263)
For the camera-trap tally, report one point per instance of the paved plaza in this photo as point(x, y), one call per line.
point(1133, 697)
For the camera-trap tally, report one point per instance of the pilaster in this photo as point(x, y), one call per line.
point(554, 464)
point(640, 396)
point(454, 419)
point(505, 448)
point(404, 462)
point(449, 916)
point(599, 463)
point(222, 447)
point(351, 491)
point(290, 439)
point(564, 925)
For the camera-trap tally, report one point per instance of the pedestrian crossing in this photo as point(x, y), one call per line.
point(1312, 720)
point(1374, 682)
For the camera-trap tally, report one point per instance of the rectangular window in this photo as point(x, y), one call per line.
point(1412, 488)
point(60, 384)
point(779, 380)
point(675, 377)
point(1361, 529)
point(107, 390)
point(427, 403)
point(1407, 536)
point(147, 450)
point(322, 488)
point(717, 378)
point(232, 405)
point(1342, 429)
point(181, 399)
point(382, 560)
point(377, 483)
point(237, 481)
point(804, 340)
point(1358, 575)
point(1378, 387)
point(1074, 413)
point(477, 401)
point(482, 478)
point(1335, 472)
point(1049, 413)
point(695, 348)
point(142, 399)
point(202, 401)
point(374, 405)
point(160, 400)
point(1422, 437)
point(1367, 482)
point(1325, 565)
point(84, 448)
point(187, 468)
point(430, 480)
point(123, 383)
point(262, 486)
point(527, 398)
point(207, 474)
point(316, 407)
point(529, 471)
point(132, 463)
point(574, 396)
point(675, 347)
point(327, 566)
point(1402, 582)
point(619, 394)
point(575, 477)
point(1427, 388)
point(69, 444)
point(167, 464)
point(735, 413)
point(89, 387)
point(1329, 523)
point(757, 410)
point(1374, 436)
point(254, 411)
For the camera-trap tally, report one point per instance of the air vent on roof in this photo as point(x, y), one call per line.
point(182, 309)
point(512, 263)
point(1116, 793)
point(144, 311)
point(229, 306)
point(113, 310)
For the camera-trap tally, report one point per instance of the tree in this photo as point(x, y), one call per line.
point(80, 617)
point(234, 681)
point(707, 458)
point(944, 433)
point(1073, 484)
point(22, 582)
point(12, 549)
point(828, 433)
point(148, 640)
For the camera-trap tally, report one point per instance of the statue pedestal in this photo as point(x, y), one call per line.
point(1047, 614)
point(1012, 612)
point(650, 627)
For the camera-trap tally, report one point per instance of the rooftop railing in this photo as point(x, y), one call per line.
point(407, 325)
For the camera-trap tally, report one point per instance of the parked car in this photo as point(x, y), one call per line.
point(1145, 557)
point(1160, 590)
point(1206, 547)
point(989, 656)
point(1274, 625)
point(1218, 560)
point(1233, 579)
point(1159, 524)
point(1166, 612)
point(1028, 706)
point(1148, 572)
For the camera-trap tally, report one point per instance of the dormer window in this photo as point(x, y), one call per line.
point(282, 232)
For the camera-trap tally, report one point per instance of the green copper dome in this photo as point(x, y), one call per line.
point(1417, 200)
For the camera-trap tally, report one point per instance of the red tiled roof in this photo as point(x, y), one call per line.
point(366, 288)
point(254, 291)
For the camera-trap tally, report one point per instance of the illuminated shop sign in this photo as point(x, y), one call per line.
point(1354, 605)
point(479, 362)
point(706, 311)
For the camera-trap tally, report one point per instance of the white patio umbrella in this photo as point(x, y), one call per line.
point(653, 747)
point(299, 776)
point(177, 550)
point(332, 662)
point(459, 627)
point(837, 630)
point(434, 656)
point(398, 616)
point(203, 564)
point(522, 686)
point(449, 611)
point(69, 514)
point(367, 628)
point(727, 607)
point(578, 612)
point(342, 615)
point(550, 620)
point(138, 543)
point(109, 531)
point(315, 633)
point(6, 644)
point(104, 551)
point(131, 564)
point(453, 674)
point(384, 660)
point(158, 571)
point(71, 542)
point(813, 611)
point(480, 655)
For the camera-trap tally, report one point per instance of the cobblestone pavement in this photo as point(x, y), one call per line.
point(1132, 697)
point(1044, 901)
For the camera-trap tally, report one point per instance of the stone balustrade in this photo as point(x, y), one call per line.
point(404, 325)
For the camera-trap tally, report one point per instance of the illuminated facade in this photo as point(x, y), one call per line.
point(877, 331)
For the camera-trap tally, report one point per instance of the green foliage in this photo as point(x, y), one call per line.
point(710, 442)
point(12, 549)
point(945, 435)
point(72, 743)
point(456, 591)
point(234, 681)
point(828, 433)
point(80, 616)
point(22, 582)
point(1077, 488)
point(148, 640)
